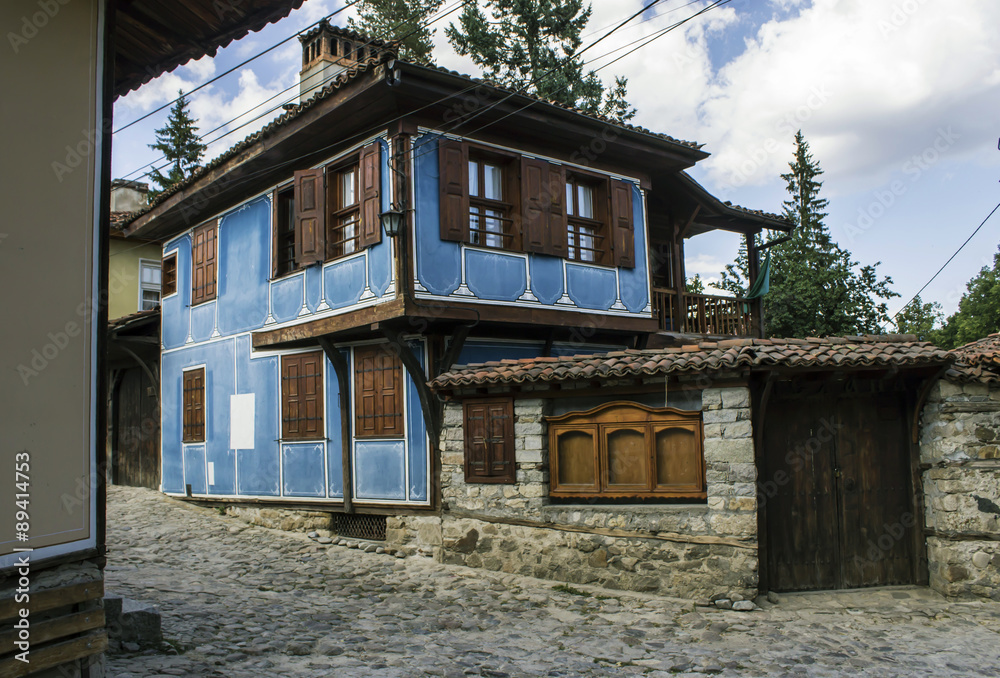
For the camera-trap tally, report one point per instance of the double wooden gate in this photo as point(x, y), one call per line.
point(135, 442)
point(836, 489)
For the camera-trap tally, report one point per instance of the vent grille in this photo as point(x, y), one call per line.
point(359, 526)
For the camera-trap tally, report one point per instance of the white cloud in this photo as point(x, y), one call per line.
point(214, 108)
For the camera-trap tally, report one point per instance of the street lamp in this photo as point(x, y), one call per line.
point(392, 220)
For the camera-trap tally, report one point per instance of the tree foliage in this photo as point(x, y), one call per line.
point(400, 21)
point(920, 318)
point(180, 144)
point(532, 45)
point(695, 285)
point(816, 289)
point(978, 312)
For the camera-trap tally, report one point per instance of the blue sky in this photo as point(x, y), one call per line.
point(897, 98)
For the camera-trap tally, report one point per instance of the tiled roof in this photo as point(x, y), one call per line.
point(119, 218)
point(119, 323)
point(756, 213)
point(845, 352)
point(978, 361)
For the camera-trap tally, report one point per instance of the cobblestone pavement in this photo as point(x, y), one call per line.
point(241, 601)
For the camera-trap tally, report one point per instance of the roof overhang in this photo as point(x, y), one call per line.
point(714, 214)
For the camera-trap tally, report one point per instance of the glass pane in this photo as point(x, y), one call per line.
point(473, 178)
point(150, 274)
point(494, 182)
point(571, 243)
point(585, 194)
point(349, 227)
point(150, 299)
point(347, 196)
point(569, 198)
point(493, 226)
point(586, 240)
point(627, 458)
point(476, 234)
point(576, 459)
point(677, 457)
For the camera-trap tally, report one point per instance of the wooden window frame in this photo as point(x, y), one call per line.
point(335, 242)
point(617, 416)
point(511, 236)
point(498, 465)
point(282, 234)
point(193, 421)
point(168, 275)
point(208, 262)
point(382, 427)
point(301, 380)
point(599, 223)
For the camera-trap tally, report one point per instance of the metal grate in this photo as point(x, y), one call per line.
point(357, 526)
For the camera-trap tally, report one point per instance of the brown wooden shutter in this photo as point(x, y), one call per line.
point(476, 456)
point(203, 263)
point(169, 275)
point(543, 207)
point(453, 161)
point(623, 237)
point(489, 441)
point(194, 406)
point(302, 396)
point(310, 217)
point(378, 396)
point(371, 177)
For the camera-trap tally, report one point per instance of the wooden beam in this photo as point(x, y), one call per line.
point(340, 366)
point(54, 629)
point(51, 599)
point(454, 349)
point(326, 326)
point(49, 657)
point(430, 404)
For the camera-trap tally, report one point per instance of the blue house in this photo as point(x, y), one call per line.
point(402, 219)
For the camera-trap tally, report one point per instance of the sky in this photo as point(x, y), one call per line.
point(898, 100)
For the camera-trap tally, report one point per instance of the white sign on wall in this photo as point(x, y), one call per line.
point(241, 413)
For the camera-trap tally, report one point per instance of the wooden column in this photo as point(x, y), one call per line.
point(343, 382)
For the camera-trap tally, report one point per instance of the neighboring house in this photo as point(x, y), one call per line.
point(57, 183)
point(133, 264)
point(299, 337)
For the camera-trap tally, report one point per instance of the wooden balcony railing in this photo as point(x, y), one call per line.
point(704, 314)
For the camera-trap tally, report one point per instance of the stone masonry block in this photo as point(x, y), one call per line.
point(737, 429)
point(719, 416)
point(734, 398)
point(711, 399)
point(739, 450)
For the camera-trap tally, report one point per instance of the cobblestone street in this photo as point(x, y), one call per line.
point(242, 601)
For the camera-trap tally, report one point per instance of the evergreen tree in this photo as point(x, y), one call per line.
point(400, 21)
point(695, 285)
point(816, 288)
point(180, 144)
point(919, 318)
point(532, 45)
point(978, 312)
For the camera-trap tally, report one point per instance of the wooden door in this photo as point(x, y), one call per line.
point(136, 443)
point(836, 492)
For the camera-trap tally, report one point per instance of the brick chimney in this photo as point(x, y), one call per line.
point(128, 196)
point(328, 51)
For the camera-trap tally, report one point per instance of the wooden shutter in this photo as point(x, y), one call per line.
point(622, 235)
point(489, 441)
point(194, 406)
point(168, 284)
point(378, 394)
point(543, 208)
point(371, 177)
point(302, 396)
point(203, 263)
point(453, 161)
point(310, 217)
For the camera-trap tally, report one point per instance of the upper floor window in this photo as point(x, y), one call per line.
point(149, 285)
point(329, 212)
point(625, 450)
point(204, 270)
point(494, 199)
point(169, 275)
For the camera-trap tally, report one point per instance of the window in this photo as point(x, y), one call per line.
point(302, 396)
point(345, 212)
point(489, 441)
point(585, 233)
point(194, 406)
point(625, 450)
point(378, 393)
point(490, 224)
point(203, 266)
point(169, 274)
point(149, 285)
point(329, 213)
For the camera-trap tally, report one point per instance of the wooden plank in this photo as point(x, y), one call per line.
point(49, 657)
point(54, 629)
point(52, 598)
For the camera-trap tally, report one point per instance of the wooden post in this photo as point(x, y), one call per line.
point(430, 404)
point(343, 382)
point(757, 305)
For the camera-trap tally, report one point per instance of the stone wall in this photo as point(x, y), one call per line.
point(690, 550)
point(960, 448)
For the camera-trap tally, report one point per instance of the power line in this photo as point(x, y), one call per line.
point(238, 66)
point(933, 277)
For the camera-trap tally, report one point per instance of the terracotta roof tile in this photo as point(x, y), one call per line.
point(729, 354)
point(977, 361)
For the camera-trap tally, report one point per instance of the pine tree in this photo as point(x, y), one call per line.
point(532, 45)
point(816, 288)
point(978, 312)
point(400, 21)
point(180, 144)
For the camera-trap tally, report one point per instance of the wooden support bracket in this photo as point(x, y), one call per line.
point(430, 404)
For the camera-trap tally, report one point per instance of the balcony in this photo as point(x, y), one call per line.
point(705, 314)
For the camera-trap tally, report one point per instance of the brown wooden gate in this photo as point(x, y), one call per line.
point(136, 436)
point(836, 489)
